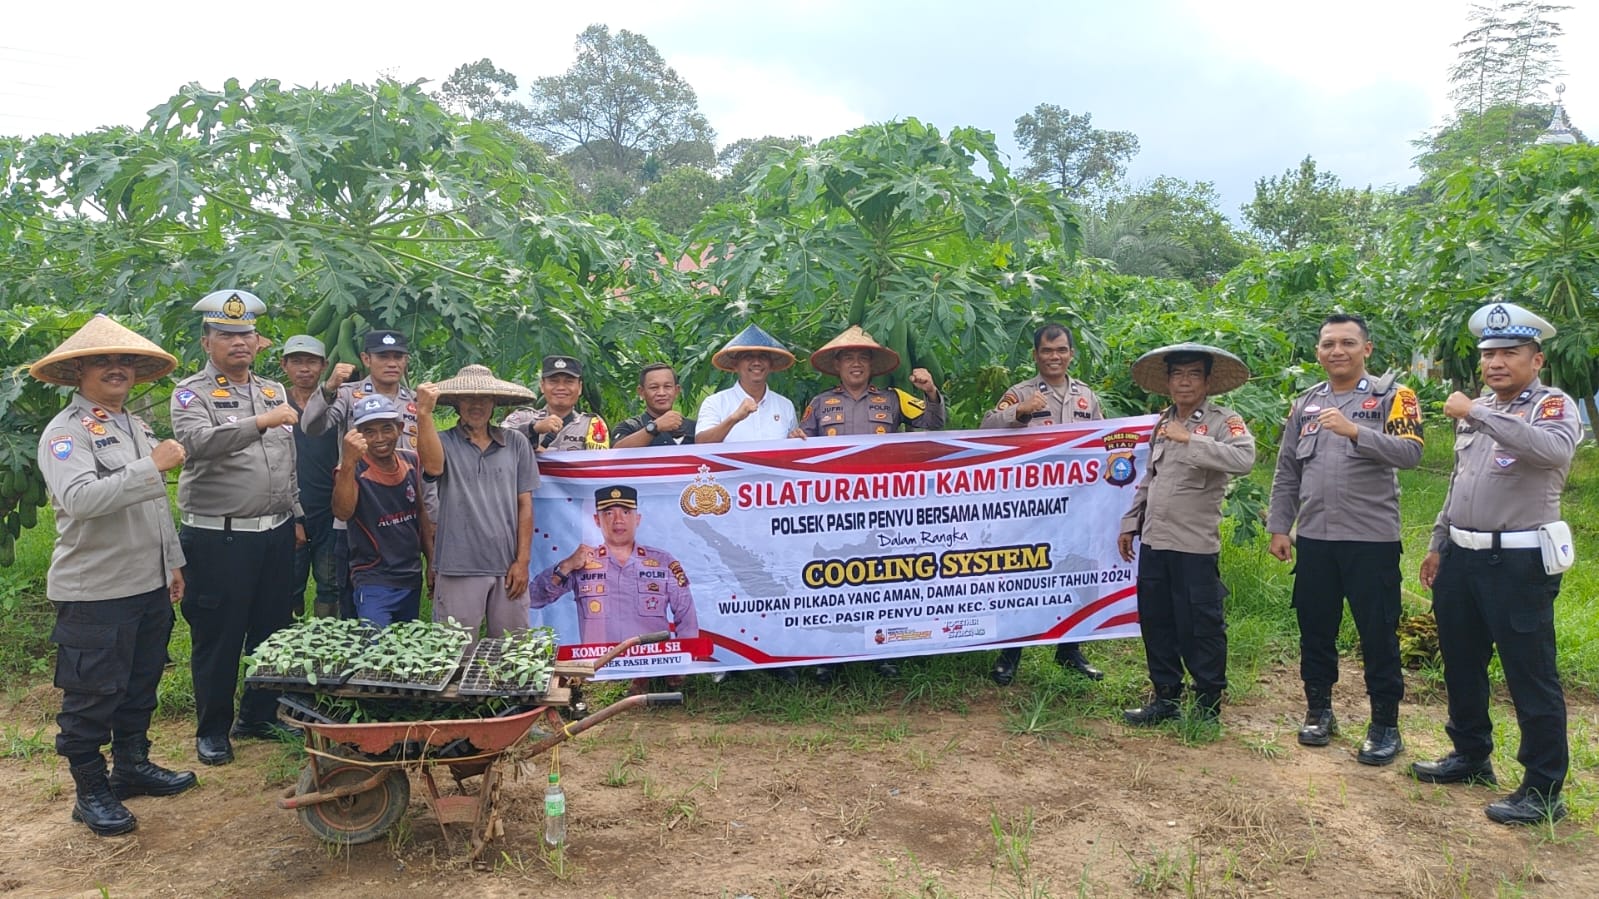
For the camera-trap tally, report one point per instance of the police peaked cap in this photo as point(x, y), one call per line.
point(1506, 324)
point(617, 496)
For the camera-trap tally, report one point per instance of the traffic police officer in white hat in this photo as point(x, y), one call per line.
point(239, 502)
point(1494, 565)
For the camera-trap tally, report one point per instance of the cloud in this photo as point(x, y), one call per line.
point(743, 98)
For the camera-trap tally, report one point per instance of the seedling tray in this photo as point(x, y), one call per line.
point(383, 680)
point(479, 678)
point(266, 675)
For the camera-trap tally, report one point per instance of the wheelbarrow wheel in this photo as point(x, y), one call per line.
point(356, 819)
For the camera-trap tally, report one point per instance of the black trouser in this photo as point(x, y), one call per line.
point(234, 599)
point(1483, 599)
point(341, 573)
point(315, 560)
point(1325, 572)
point(109, 657)
point(1180, 614)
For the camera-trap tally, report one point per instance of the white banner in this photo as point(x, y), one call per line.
point(838, 549)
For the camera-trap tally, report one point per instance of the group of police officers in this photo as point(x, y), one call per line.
point(257, 462)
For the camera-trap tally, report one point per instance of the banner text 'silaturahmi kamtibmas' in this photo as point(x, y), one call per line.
point(843, 548)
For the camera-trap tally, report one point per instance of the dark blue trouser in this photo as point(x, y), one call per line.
point(315, 560)
point(1180, 614)
point(1326, 571)
point(109, 658)
point(1485, 599)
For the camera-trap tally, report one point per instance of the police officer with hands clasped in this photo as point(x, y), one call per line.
point(1342, 442)
point(116, 570)
point(1495, 561)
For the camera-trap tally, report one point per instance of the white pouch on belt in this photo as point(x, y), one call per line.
point(1554, 541)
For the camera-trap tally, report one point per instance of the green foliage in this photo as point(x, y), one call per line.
point(943, 264)
point(1524, 231)
point(1187, 214)
point(1302, 206)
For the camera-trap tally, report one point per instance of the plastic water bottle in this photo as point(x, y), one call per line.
point(554, 812)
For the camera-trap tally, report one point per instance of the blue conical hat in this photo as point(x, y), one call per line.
point(753, 339)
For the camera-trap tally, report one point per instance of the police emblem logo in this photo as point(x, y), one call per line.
point(704, 496)
point(1082, 402)
point(652, 603)
point(1311, 427)
point(1553, 407)
point(1369, 404)
point(1498, 318)
point(61, 446)
point(233, 307)
point(594, 607)
point(1122, 470)
point(1201, 430)
point(558, 365)
point(219, 393)
point(388, 340)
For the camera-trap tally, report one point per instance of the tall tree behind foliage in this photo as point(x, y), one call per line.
point(1506, 61)
point(621, 117)
point(1186, 213)
point(1303, 206)
point(1068, 152)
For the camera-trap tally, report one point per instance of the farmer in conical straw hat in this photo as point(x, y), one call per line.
point(486, 475)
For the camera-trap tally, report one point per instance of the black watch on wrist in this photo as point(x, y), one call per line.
point(652, 429)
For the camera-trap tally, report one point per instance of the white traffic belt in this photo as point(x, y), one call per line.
point(1485, 539)
point(246, 525)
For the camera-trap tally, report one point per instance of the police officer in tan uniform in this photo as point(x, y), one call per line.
point(1054, 397)
point(116, 570)
point(1196, 449)
point(1342, 443)
point(857, 407)
point(1492, 587)
point(560, 425)
point(623, 588)
point(239, 500)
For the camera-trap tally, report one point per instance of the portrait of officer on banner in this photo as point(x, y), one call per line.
point(622, 588)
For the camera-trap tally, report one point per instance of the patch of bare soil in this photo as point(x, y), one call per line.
point(673, 803)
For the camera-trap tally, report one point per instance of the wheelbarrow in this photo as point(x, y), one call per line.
point(352, 790)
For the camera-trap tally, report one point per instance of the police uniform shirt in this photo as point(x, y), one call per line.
point(1177, 506)
point(321, 416)
point(1076, 402)
point(684, 434)
point(621, 598)
point(1511, 461)
point(581, 430)
point(835, 413)
point(114, 531)
point(234, 469)
point(1338, 488)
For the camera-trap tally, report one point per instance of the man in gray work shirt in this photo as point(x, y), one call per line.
point(486, 476)
point(1341, 444)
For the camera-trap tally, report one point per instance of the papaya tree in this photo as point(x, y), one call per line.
point(893, 227)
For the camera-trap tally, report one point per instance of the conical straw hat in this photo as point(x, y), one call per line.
point(101, 336)
point(1226, 372)
point(825, 360)
point(753, 339)
point(477, 380)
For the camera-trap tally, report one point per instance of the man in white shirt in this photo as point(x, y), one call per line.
point(748, 410)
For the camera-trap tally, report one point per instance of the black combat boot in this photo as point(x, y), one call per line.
point(1320, 725)
point(1160, 707)
point(97, 806)
point(1382, 743)
point(1070, 656)
point(1207, 704)
point(133, 774)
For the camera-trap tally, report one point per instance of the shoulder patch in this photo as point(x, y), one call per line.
point(910, 408)
point(598, 437)
point(1006, 401)
point(1552, 407)
point(184, 396)
point(61, 446)
point(1236, 426)
point(677, 572)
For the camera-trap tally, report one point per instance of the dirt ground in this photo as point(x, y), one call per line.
point(674, 803)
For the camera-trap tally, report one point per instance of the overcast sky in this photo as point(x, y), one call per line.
point(1225, 91)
